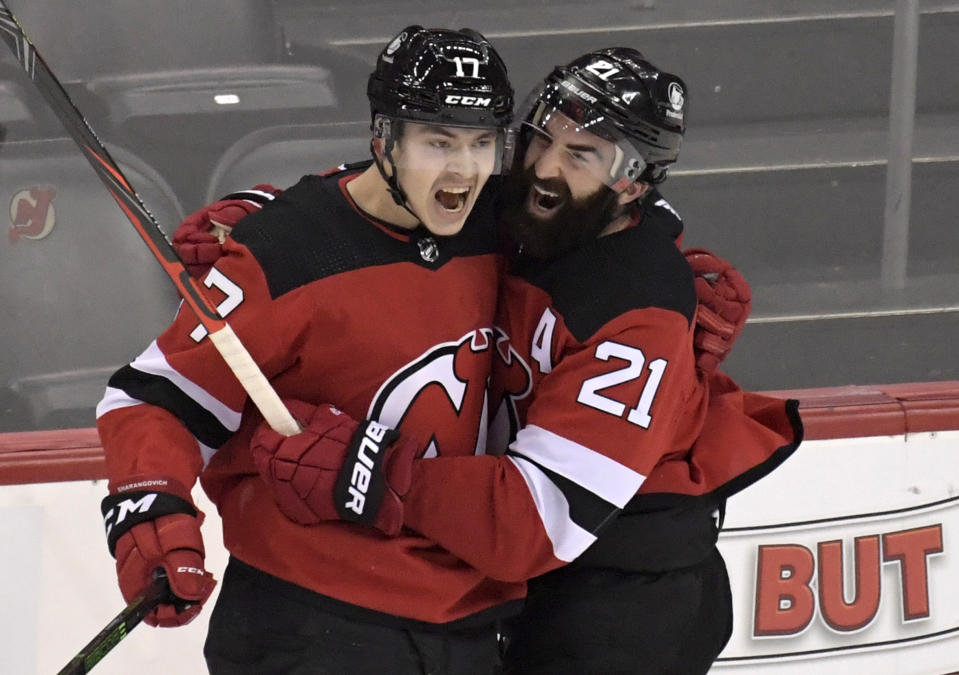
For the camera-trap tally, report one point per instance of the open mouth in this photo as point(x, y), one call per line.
point(452, 199)
point(545, 200)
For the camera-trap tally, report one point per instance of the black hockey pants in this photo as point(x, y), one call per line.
point(611, 622)
point(255, 630)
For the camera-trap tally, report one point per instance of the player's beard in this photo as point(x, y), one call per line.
point(575, 223)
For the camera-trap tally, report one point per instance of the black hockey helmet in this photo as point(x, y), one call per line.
point(440, 76)
point(616, 94)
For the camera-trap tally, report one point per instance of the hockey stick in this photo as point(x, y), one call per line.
point(220, 332)
point(156, 593)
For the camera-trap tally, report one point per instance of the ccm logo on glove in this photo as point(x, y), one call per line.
point(191, 570)
point(124, 511)
point(118, 514)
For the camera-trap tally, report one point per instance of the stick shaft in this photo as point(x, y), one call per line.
point(118, 628)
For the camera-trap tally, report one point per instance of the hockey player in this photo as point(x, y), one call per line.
point(373, 286)
point(594, 273)
point(596, 389)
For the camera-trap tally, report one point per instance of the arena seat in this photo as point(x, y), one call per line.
point(179, 81)
point(281, 155)
point(81, 41)
point(80, 291)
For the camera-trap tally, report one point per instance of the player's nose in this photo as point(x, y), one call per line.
point(547, 163)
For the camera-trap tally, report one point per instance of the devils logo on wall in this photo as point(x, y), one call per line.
point(32, 214)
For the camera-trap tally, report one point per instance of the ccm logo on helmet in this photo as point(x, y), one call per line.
point(457, 99)
point(360, 476)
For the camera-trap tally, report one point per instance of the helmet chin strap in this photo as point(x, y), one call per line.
point(392, 182)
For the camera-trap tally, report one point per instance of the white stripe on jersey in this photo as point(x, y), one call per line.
point(264, 196)
point(599, 474)
point(153, 361)
point(569, 539)
point(114, 399)
point(206, 452)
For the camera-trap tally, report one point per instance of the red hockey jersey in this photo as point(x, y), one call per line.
point(594, 390)
point(596, 365)
point(334, 306)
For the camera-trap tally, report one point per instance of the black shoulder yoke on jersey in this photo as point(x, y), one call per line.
point(661, 214)
point(312, 231)
point(635, 268)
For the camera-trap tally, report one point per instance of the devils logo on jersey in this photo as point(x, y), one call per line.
point(512, 381)
point(445, 390)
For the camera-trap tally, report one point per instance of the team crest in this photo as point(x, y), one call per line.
point(32, 213)
point(444, 390)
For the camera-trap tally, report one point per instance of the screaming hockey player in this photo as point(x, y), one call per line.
point(373, 286)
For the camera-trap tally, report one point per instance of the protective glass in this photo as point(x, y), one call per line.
point(558, 119)
point(439, 148)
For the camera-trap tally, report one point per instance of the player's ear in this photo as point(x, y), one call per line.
point(632, 192)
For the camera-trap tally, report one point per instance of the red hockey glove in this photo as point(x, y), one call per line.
point(336, 469)
point(199, 239)
point(724, 304)
point(147, 530)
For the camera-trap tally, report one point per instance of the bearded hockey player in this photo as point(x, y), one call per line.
point(373, 286)
point(599, 307)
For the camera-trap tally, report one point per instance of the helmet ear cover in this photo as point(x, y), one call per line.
point(386, 132)
point(381, 147)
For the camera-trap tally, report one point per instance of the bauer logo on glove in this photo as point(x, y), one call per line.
point(336, 468)
point(366, 477)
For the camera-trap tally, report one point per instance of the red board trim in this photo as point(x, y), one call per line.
point(835, 412)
